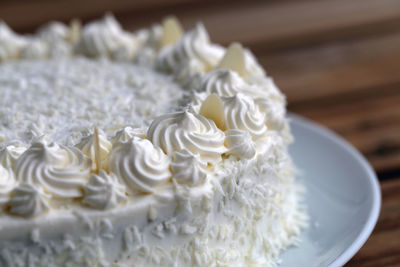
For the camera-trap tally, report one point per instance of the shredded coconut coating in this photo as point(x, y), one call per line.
point(63, 98)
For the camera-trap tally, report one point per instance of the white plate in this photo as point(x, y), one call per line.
point(343, 197)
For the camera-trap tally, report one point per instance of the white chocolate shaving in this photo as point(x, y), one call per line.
point(213, 109)
point(172, 31)
point(234, 59)
point(97, 153)
point(75, 30)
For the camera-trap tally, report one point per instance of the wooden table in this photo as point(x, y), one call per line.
point(337, 61)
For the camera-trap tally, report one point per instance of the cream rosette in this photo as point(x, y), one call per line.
point(8, 156)
point(240, 144)
point(192, 54)
point(242, 113)
point(140, 165)
point(190, 131)
point(127, 133)
point(58, 37)
point(10, 43)
point(188, 168)
point(106, 38)
point(87, 146)
point(7, 183)
point(28, 200)
point(60, 170)
point(103, 191)
point(228, 83)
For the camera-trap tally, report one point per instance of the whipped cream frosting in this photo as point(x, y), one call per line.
point(87, 146)
point(240, 144)
point(104, 191)
point(7, 182)
point(28, 200)
point(127, 133)
point(192, 54)
point(190, 166)
point(190, 131)
point(241, 113)
point(106, 38)
point(9, 154)
point(139, 164)
point(55, 31)
point(60, 170)
point(10, 43)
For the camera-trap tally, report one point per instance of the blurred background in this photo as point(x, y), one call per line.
point(337, 61)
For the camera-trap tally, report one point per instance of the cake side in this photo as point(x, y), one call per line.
point(244, 215)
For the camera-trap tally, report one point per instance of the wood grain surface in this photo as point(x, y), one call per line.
point(338, 62)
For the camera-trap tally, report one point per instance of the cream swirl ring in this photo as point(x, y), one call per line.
point(61, 171)
point(87, 146)
point(140, 165)
point(222, 82)
point(227, 83)
point(10, 44)
point(240, 144)
point(106, 38)
point(188, 130)
point(193, 50)
point(7, 181)
point(188, 168)
point(103, 191)
point(28, 201)
point(241, 113)
point(8, 156)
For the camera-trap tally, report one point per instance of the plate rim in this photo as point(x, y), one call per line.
point(371, 177)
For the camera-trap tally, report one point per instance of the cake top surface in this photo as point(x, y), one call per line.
point(63, 99)
point(92, 117)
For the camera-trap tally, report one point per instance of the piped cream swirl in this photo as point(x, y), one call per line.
point(35, 49)
point(106, 38)
point(28, 200)
point(104, 191)
point(54, 31)
point(126, 134)
point(193, 53)
point(87, 146)
point(10, 43)
point(188, 168)
point(140, 165)
point(188, 130)
point(8, 156)
point(263, 91)
point(240, 144)
point(224, 82)
point(7, 182)
point(58, 37)
point(242, 113)
point(61, 171)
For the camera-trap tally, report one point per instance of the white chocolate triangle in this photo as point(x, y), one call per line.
point(213, 108)
point(172, 31)
point(75, 30)
point(97, 154)
point(234, 59)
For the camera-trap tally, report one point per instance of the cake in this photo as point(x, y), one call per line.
point(147, 148)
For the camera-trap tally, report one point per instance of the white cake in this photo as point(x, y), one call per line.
point(153, 148)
